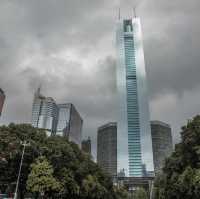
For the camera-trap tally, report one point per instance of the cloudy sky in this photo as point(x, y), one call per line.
point(69, 47)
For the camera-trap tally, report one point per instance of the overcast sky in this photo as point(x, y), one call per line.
point(69, 47)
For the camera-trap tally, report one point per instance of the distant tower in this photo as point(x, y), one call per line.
point(134, 143)
point(86, 146)
point(44, 113)
point(70, 123)
point(2, 99)
point(162, 143)
point(107, 148)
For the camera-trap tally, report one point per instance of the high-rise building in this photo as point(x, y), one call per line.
point(63, 119)
point(44, 113)
point(69, 123)
point(107, 148)
point(162, 143)
point(2, 99)
point(86, 146)
point(56, 119)
point(134, 143)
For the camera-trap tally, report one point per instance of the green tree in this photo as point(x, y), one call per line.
point(140, 194)
point(78, 176)
point(91, 188)
point(41, 180)
point(181, 173)
point(11, 151)
point(120, 193)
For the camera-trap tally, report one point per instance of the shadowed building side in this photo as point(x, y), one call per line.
point(2, 99)
point(86, 146)
point(107, 148)
point(162, 143)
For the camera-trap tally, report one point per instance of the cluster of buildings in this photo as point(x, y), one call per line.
point(56, 119)
point(132, 149)
point(162, 147)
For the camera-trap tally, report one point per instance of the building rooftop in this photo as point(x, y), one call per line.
point(110, 124)
point(157, 122)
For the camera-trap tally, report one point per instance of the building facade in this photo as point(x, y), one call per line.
point(69, 123)
point(162, 143)
point(63, 119)
point(134, 143)
point(44, 113)
point(107, 148)
point(2, 99)
point(86, 146)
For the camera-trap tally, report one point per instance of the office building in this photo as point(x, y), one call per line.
point(2, 99)
point(44, 113)
point(69, 123)
point(134, 143)
point(107, 148)
point(162, 143)
point(86, 146)
point(56, 119)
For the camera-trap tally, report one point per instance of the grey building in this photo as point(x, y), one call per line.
point(86, 146)
point(44, 113)
point(107, 148)
point(162, 143)
point(69, 123)
point(2, 99)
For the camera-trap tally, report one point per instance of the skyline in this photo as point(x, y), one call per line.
point(34, 44)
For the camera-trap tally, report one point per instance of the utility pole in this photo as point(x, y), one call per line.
point(25, 143)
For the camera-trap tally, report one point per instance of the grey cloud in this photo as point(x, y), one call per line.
point(32, 31)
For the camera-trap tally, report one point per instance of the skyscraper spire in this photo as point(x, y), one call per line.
point(38, 91)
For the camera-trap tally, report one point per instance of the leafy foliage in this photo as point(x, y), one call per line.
point(181, 173)
point(41, 180)
point(63, 164)
point(140, 194)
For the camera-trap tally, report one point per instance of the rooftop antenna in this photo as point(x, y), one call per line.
point(119, 14)
point(37, 93)
point(134, 12)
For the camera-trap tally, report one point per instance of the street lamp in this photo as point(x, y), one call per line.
point(25, 143)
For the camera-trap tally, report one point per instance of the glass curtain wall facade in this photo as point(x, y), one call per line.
point(44, 113)
point(69, 123)
point(134, 144)
point(63, 119)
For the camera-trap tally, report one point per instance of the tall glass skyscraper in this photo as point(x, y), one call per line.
point(69, 123)
point(44, 113)
point(134, 144)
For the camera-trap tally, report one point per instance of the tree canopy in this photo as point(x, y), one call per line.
point(181, 173)
point(41, 180)
point(48, 161)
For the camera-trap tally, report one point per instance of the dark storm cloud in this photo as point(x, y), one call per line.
point(68, 47)
point(173, 60)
